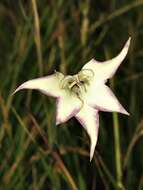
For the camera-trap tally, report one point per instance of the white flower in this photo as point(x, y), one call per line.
point(83, 95)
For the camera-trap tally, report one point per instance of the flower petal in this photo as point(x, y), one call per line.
point(48, 85)
point(89, 119)
point(102, 98)
point(106, 69)
point(67, 107)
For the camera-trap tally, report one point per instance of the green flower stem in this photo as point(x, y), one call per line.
point(117, 148)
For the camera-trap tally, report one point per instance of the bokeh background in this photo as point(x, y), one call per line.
point(40, 36)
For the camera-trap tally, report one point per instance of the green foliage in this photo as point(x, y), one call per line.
point(37, 37)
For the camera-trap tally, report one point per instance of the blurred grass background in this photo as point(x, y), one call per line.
point(37, 37)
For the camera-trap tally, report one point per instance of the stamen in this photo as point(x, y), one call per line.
point(88, 75)
point(77, 78)
point(77, 84)
point(72, 84)
point(65, 81)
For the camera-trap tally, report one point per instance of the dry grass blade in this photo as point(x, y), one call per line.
point(37, 36)
point(5, 113)
point(56, 156)
point(65, 171)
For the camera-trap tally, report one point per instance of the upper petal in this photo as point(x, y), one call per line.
point(49, 85)
point(67, 107)
point(89, 119)
point(102, 98)
point(106, 69)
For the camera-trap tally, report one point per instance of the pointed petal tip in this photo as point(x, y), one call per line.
point(91, 157)
point(13, 93)
point(125, 112)
point(17, 89)
point(128, 42)
point(92, 147)
point(129, 38)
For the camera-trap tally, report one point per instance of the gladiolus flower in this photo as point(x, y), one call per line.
point(83, 95)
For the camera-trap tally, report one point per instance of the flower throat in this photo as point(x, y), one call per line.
point(77, 84)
